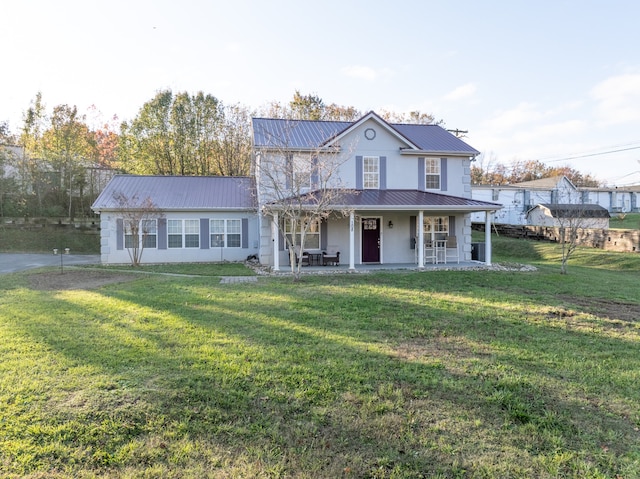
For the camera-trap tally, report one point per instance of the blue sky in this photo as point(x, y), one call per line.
point(556, 81)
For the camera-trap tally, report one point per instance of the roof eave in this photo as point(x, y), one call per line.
point(412, 152)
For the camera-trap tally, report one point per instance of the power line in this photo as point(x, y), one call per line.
point(550, 159)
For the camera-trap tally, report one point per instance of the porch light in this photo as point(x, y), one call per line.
point(390, 224)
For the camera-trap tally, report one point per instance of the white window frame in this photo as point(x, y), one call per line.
point(186, 230)
point(152, 234)
point(432, 174)
point(311, 239)
point(433, 225)
point(228, 235)
point(371, 172)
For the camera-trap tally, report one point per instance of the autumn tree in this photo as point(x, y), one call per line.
point(490, 172)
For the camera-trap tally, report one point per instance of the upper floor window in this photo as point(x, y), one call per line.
point(371, 172)
point(432, 171)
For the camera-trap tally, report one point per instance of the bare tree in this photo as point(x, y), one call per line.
point(573, 219)
point(300, 188)
point(139, 221)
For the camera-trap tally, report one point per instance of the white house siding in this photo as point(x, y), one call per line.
point(110, 254)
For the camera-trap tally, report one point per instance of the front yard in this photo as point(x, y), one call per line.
point(399, 374)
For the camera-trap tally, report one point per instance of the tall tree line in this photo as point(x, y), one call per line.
point(64, 158)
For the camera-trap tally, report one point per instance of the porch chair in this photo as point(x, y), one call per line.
point(330, 258)
point(429, 251)
point(303, 258)
point(451, 249)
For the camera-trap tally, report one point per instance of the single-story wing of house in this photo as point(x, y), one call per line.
point(180, 218)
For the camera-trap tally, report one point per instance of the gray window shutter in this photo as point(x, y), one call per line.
point(452, 225)
point(119, 234)
point(443, 174)
point(324, 234)
point(314, 173)
point(204, 233)
point(162, 233)
point(245, 233)
point(359, 173)
point(383, 172)
point(421, 175)
point(412, 231)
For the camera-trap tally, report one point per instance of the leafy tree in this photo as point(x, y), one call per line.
point(176, 135)
point(413, 117)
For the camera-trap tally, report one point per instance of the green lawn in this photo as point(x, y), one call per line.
point(389, 375)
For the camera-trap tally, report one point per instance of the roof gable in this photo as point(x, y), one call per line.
point(180, 192)
point(309, 134)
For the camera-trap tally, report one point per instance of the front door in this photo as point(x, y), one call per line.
point(370, 240)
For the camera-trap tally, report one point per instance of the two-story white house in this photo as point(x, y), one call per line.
point(403, 185)
point(396, 188)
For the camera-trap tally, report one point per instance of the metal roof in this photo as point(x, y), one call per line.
point(408, 200)
point(180, 192)
point(574, 210)
point(305, 134)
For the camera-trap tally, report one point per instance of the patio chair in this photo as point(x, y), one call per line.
point(429, 251)
point(330, 258)
point(451, 249)
point(303, 258)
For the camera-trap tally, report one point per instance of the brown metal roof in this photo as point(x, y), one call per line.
point(181, 192)
point(408, 200)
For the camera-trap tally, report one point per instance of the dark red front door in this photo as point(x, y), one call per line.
point(370, 240)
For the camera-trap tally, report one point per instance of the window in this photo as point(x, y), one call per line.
point(298, 172)
point(149, 232)
point(147, 229)
point(174, 229)
point(371, 172)
point(183, 232)
point(436, 224)
point(225, 233)
point(495, 195)
point(432, 170)
point(311, 239)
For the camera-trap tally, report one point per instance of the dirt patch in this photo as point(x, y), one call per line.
point(604, 308)
point(76, 279)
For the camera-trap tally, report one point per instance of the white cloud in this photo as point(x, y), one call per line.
point(364, 72)
point(508, 119)
point(461, 93)
point(617, 99)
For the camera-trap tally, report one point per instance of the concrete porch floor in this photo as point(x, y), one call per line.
point(366, 268)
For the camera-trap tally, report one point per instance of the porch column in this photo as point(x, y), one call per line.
point(487, 238)
point(275, 239)
point(420, 242)
point(352, 241)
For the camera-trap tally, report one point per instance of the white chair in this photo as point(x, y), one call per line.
point(451, 249)
point(430, 252)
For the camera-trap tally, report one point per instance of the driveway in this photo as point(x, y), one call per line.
point(10, 263)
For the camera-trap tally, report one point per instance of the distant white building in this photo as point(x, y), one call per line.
point(519, 198)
